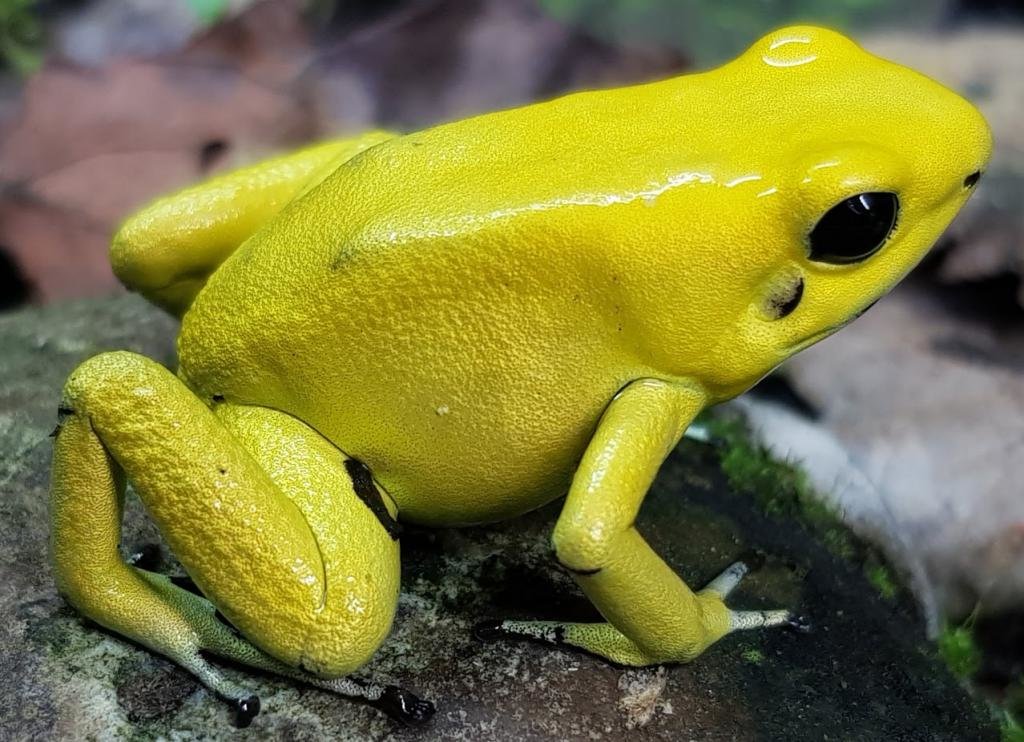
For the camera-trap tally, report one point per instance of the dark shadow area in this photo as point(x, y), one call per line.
point(15, 289)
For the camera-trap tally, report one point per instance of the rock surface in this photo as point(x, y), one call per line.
point(925, 397)
point(866, 672)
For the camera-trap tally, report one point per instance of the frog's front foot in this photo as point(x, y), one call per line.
point(707, 620)
point(730, 578)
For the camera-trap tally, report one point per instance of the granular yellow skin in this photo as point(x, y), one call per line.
point(487, 314)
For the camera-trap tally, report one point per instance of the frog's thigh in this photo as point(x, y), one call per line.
point(246, 544)
point(167, 250)
point(353, 524)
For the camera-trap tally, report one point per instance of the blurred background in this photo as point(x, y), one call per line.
point(911, 422)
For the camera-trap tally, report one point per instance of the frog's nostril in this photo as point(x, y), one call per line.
point(972, 180)
point(786, 298)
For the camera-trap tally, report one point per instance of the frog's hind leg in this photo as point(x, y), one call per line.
point(259, 509)
point(168, 250)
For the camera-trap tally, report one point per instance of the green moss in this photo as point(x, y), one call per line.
point(958, 648)
point(208, 11)
point(21, 36)
point(781, 488)
point(753, 656)
point(963, 656)
point(882, 578)
point(1010, 729)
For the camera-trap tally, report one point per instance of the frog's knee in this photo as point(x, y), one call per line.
point(345, 639)
point(103, 374)
point(581, 550)
point(341, 633)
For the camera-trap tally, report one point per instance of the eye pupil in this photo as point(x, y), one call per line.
point(854, 229)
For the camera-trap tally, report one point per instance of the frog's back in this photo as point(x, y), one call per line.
point(439, 308)
point(457, 306)
point(392, 310)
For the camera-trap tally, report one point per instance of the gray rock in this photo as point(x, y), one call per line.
point(928, 403)
point(866, 672)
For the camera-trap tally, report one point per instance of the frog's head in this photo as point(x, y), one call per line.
point(849, 169)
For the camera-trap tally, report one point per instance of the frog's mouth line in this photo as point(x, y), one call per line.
point(831, 330)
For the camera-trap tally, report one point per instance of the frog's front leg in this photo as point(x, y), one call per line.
point(652, 616)
point(288, 538)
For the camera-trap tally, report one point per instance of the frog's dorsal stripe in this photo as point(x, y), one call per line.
point(366, 489)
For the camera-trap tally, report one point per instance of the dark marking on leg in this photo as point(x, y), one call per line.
point(366, 489)
point(559, 635)
point(581, 572)
point(63, 413)
point(584, 572)
point(218, 398)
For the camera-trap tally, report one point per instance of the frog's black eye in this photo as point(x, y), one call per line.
point(854, 229)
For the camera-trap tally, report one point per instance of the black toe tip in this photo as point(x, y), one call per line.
point(488, 631)
point(753, 558)
point(799, 624)
point(246, 710)
point(404, 706)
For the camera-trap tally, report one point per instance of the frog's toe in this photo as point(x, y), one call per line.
point(720, 588)
point(404, 706)
point(726, 582)
point(799, 624)
point(147, 557)
point(246, 710)
point(741, 620)
point(754, 559)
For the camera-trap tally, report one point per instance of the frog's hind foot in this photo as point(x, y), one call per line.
point(404, 706)
point(246, 710)
point(398, 703)
point(245, 705)
point(205, 633)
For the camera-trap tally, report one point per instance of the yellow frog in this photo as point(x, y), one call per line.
point(461, 324)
